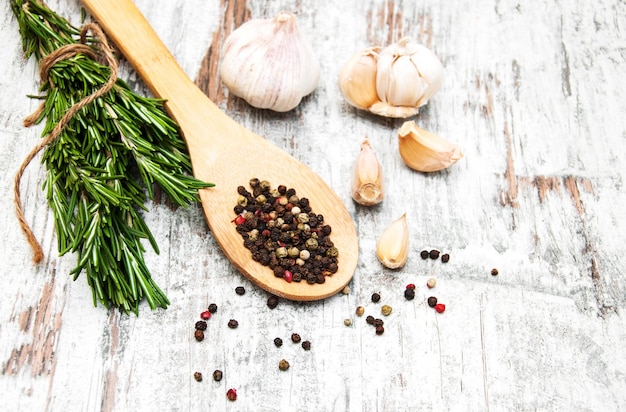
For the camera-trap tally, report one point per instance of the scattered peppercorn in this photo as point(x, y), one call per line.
point(233, 324)
point(197, 376)
point(278, 342)
point(231, 394)
point(424, 254)
point(431, 283)
point(409, 294)
point(370, 320)
point(240, 290)
point(411, 286)
point(205, 315)
point(386, 310)
point(201, 325)
point(380, 330)
point(445, 258)
point(440, 307)
point(360, 310)
point(375, 297)
point(217, 375)
point(306, 345)
point(434, 254)
point(347, 322)
point(283, 365)
point(295, 338)
point(199, 335)
point(272, 302)
point(212, 308)
point(378, 322)
point(494, 272)
point(346, 290)
point(432, 301)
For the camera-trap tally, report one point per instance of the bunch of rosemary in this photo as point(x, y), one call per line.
point(102, 167)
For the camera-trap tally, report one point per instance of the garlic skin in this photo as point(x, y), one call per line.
point(392, 248)
point(407, 75)
point(269, 63)
point(357, 79)
point(367, 178)
point(425, 151)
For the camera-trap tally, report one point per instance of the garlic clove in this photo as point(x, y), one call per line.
point(357, 79)
point(367, 178)
point(269, 63)
point(392, 248)
point(425, 151)
point(407, 76)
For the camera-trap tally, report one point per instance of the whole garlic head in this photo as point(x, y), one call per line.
point(406, 75)
point(269, 63)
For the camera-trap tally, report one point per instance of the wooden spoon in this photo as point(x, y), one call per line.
point(227, 154)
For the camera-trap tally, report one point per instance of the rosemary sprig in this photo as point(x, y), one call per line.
point(103, 165)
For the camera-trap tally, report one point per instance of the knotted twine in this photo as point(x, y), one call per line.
point(62, 53)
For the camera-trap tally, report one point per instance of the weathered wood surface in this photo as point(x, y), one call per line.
point(533, 92)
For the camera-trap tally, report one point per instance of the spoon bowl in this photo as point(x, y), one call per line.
point(227, 154)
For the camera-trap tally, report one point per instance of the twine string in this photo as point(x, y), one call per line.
point(63, 53)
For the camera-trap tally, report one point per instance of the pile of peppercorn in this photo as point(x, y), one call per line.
point(282, 232)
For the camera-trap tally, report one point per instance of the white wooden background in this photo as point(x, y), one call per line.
point(533, 92)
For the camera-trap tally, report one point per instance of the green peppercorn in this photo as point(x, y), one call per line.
point(283, 365)
point(332, 252)
point(386, 310)
point(265, 185)
point(242, 201)
point(311, 243)
point(261, 199)
point(347, 322)
point(254, 182)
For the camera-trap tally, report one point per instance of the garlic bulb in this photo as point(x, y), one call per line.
point(269, 63)
point(392, 248)
point(424, 151)
point(367, 178)
point(406, 75)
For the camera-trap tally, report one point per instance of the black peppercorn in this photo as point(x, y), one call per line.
point(201, 325)
point(378, 322)
point(424, 254)
point(199, 335)
point(306, 345)
point(494, 272)
point(197, 376)
point(217, 375)
point(370, 319)
point(375, 297)
point(432, 301)
point(272, 302)
point(240, 290)
point(278, 342)
point(445, 258)
point(212, 308)
point(380, 330)
point(409, 294)
point(233, 323)
point(295, 338)
point(434, 254)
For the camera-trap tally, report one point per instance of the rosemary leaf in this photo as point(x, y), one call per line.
point(102, 167)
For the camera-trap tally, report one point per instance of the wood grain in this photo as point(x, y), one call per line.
point(532, 93)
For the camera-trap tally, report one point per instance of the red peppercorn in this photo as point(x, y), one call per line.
point(239, 220)
point(288, 276)
point(411, 286)
point(231, 394)
point(440, 307)
point(205, 315)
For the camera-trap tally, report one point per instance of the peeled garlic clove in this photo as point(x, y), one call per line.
point(407, 75)
point(367, 179)
point(269, 63)
point(392, 248)
point(357, 80)
point(424, 151)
